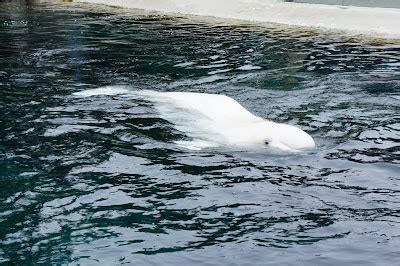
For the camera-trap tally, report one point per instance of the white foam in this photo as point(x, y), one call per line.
point(382, 22)
point(107, 90)
point(212, 120)
point(249, 67)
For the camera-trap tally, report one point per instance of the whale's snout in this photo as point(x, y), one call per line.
point(290, 138)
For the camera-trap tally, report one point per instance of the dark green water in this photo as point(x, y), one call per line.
point(100, 180)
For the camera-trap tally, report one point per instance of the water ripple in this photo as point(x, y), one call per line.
point(101, 180)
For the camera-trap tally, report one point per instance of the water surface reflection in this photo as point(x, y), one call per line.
point(100, 180)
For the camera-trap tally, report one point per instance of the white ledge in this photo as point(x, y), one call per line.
point(378, 22)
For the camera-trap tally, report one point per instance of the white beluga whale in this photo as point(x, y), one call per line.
point(213, 120)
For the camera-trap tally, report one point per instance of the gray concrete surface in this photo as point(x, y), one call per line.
point(366, 3)
point(376, 22)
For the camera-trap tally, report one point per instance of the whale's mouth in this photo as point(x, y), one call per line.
point(208, 120)
point(282, 147)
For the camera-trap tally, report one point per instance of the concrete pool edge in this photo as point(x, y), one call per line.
point(376, 22)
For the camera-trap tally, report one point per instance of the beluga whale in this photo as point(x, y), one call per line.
point(214, 120)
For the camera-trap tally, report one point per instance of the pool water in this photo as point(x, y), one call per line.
point(102, 180)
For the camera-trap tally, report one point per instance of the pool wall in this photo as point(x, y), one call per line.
point(365, 3)
point(379, 22)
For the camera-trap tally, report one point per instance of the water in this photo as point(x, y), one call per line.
point(101, 180)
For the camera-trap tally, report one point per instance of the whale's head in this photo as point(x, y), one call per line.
point(287, 137)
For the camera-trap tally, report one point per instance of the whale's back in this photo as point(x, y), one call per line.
point(214, 107)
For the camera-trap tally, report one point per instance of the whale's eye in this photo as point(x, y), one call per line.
point(266, 142)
